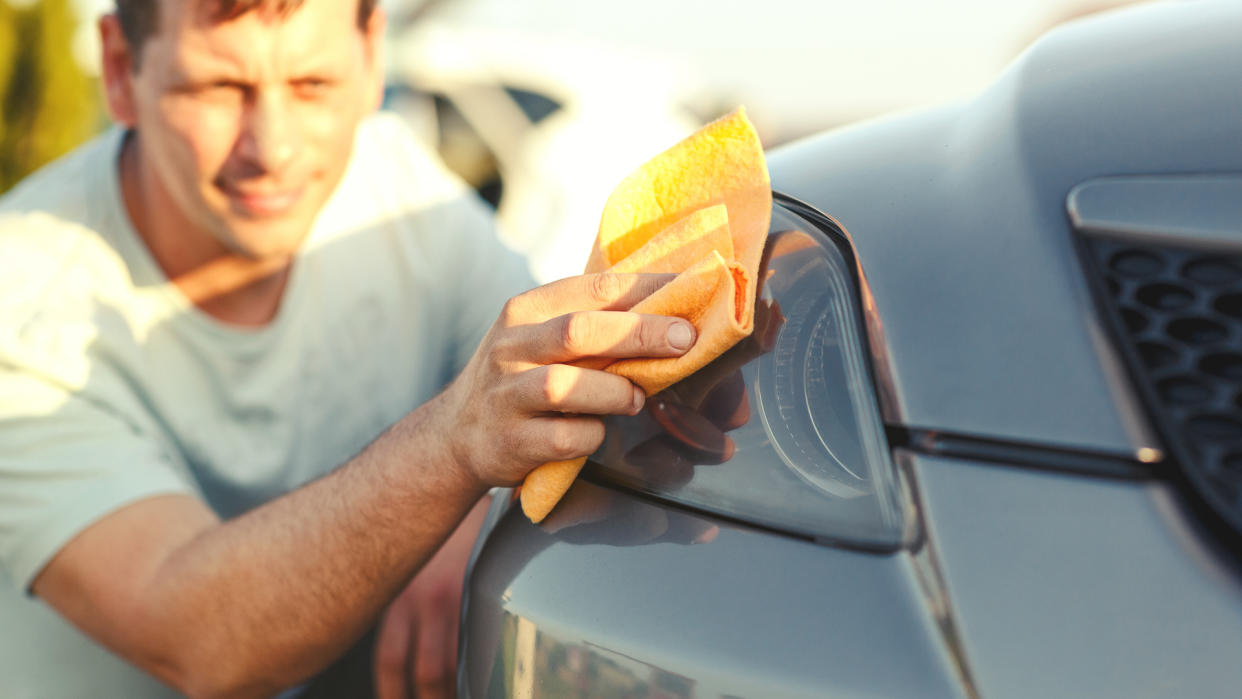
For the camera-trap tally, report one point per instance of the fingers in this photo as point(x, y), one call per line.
point(545, 439)
point(435, 655)
point(589, 292)
point(392, 648)
point(560, 388)
point(492, 412)
point(609, 334)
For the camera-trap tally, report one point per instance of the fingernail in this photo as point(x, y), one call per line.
point(639, 399)
point(680, 335)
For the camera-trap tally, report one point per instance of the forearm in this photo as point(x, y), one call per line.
point(269, 598)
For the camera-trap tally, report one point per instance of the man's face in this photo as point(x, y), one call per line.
point(244, 127)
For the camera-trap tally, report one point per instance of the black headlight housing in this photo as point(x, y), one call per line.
point(784, 430)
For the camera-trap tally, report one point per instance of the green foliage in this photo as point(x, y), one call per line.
point(47, 104)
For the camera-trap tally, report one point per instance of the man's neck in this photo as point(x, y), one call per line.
point(231, 288)
point(236, 290)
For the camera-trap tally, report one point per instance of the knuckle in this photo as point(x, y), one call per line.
point(647, 335)
point(603, 287)
point(558, 384)
point(564, 440)
point(549, 384)
point(575, 331)
point(512, 312)
point(502, 346)
point(508, 349)
point(594, 430)
point(507, 311)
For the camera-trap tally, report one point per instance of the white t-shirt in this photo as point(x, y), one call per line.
point(114, 387)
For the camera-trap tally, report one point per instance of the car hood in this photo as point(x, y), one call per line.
point(982, 323)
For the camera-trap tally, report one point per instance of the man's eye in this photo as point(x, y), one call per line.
point(219, 90)
point(312, 87)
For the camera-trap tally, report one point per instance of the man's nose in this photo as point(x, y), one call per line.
point(270, 137)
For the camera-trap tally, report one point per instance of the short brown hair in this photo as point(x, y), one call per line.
point(140, 18)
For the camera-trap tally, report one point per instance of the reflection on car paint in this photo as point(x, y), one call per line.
point(569, 670)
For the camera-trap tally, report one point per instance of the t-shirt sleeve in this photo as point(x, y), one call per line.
point(491, 274)
point(66, 461)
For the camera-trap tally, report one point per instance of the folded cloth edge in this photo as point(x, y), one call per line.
point(706, 295)
point(714, 167)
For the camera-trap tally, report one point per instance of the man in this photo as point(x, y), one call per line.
point(222, 333)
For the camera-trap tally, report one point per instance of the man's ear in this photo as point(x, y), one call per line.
point(117, 62)
point(373, 35)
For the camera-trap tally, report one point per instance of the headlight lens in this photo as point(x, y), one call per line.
point(782, 431)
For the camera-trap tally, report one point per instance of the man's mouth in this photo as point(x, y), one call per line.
point(262, 203)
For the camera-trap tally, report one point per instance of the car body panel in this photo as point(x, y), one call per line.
point(1054, 554)
point(697, 606)
point(957, 218)
point(1050, 584)
point(1187, 210)
point(1073, 586)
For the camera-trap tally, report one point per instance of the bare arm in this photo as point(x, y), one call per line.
point(249, 606)
point(260, 602)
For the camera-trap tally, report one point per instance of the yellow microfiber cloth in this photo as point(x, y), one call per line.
point(700, 210)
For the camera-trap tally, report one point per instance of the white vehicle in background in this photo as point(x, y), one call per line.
point(544, 130)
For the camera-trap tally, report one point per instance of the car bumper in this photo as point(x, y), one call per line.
point(1024, 583)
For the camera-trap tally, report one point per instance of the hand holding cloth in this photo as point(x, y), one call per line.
point(701, 210)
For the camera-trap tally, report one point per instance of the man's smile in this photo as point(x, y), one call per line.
point(261, 201)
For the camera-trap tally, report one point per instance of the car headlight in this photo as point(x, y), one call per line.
point(783, 431)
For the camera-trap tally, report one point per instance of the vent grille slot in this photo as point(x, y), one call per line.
point(1178, 312)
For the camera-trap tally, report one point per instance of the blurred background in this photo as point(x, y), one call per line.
point(544, 105)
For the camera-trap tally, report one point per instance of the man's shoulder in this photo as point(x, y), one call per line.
point(66, 186)
point(54, 242)
point(65, 204)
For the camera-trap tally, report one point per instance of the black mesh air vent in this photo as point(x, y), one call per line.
point(1179, 311)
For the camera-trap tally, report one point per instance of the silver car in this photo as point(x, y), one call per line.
point(985, 441)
